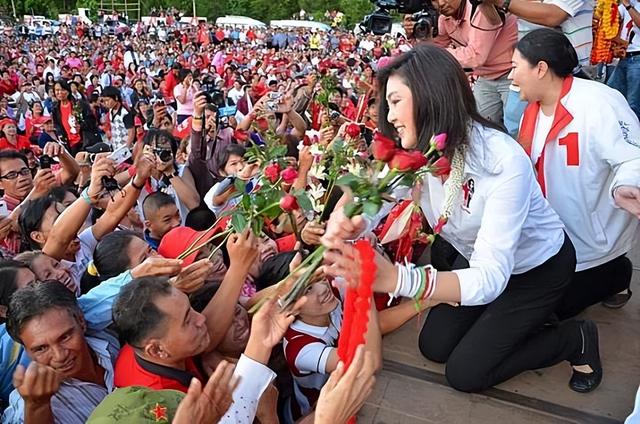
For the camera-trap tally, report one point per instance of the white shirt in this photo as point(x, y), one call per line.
point(577, 26)
point(543, 125)
point(629, 30)
point(503, 225)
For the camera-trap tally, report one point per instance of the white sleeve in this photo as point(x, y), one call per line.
point(618, 142)
point(505, 212)
point(570, 6)
point(313, 358)
point(254, 380)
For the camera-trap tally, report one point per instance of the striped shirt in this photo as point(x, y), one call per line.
point(75, 400)
point(577, 27)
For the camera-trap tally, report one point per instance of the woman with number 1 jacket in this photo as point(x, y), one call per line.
point(584, 142)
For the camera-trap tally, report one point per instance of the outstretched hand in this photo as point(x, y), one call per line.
point(208, 405)
point(345, 392)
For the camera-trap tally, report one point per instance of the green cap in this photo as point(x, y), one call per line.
point(137, 405)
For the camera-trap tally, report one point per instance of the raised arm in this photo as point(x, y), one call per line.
point(243, 250)
point(70, 168)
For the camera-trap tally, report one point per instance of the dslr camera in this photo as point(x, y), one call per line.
point(423, 13)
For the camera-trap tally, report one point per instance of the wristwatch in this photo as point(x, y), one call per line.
point(628, 7)
point(175, 174)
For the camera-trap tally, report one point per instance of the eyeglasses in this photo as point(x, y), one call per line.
point(14, 174)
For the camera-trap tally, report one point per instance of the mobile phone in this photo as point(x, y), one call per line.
point(120, 155)
point(4, 210)
point(45, 161)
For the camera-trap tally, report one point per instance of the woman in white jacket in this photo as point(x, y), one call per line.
point(520, 260)
point(584, 141)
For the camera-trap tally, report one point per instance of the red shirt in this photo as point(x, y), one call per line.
point(170, 82)
point(66, 112)
point(22, 142)
point(131, 370)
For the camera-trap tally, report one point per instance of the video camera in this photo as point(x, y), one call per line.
point(423, 13)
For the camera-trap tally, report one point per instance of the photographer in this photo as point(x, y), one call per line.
point(481, 40)
point(572, 17)
point(207, 139)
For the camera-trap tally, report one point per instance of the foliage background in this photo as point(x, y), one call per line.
point(264, 10)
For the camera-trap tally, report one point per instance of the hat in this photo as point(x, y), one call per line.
point(99, 148)
point(180, 239)
point(260, 89)
point(6, 121)
point(137, 405)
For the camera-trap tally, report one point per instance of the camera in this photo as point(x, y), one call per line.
point(165, 155)
point(109, 183)
point(214, 97)
point(45, 162)
point(426, 24)
point(423, 13)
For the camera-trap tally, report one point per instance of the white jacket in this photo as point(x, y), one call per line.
point(592, 148)
point(501, 222)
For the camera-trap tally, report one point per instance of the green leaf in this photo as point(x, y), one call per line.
point(239, 185)
point(304, 202)
point(239, 222)
point(348, 180)
point(351, 209)
point(370, 208)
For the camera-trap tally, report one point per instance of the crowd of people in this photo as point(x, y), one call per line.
point(125, 158)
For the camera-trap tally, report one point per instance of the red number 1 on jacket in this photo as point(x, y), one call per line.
point(573, 153)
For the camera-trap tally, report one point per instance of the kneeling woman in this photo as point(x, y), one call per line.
point(584, 141)
point(520, 259)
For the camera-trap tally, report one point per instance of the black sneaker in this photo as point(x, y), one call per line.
point(582, 382)
point(618, 300)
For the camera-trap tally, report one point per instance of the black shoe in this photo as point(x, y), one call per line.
point(589, 354)
point(618, 300)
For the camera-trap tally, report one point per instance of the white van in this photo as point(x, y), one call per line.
point(300, 24)
point(239, 21)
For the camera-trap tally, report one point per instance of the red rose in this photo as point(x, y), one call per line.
point(439, 141)
point(353, 130)
point(404, 161)
point(241, 135)
point(441, 167)
point(382, 148)
point(289, 175)
point(272, 172)
point(288, 203)
point(306, 141)
point(262, 124)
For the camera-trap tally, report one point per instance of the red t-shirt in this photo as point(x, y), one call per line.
point(66, 112)
point(22, 142)
point(131, 370)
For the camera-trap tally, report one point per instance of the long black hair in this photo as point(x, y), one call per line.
point(442, 98)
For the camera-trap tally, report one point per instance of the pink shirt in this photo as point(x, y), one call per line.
point(488, 53)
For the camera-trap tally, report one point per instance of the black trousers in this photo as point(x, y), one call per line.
point(594, 285)
point(485, 345)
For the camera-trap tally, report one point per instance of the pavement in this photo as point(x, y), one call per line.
point(411, 389)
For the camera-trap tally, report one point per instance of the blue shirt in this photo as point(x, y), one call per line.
point(96, 306)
